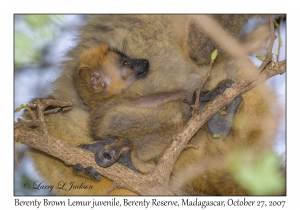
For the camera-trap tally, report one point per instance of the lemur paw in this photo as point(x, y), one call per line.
point(220, 124)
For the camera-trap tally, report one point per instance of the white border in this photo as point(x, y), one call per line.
point(11, 7)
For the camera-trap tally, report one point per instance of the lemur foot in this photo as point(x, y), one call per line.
point(89, 171)
point(107, 153)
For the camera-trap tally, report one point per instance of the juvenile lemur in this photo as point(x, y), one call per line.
point(178, 52)
point(103, 74)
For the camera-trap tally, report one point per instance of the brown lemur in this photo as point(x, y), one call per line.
point(178, 52)
point(103, 74)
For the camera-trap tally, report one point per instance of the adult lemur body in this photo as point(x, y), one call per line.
point(179, 54)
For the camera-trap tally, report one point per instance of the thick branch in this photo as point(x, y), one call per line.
point(71, 155)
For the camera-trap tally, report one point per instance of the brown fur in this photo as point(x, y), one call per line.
point(97, 57)
point(101, 84)
point(179, 54)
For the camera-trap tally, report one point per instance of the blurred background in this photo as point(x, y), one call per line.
point(40, 43)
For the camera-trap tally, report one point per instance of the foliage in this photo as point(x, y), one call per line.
point(259, 174)
point(33, 33)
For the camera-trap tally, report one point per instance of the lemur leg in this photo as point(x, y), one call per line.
point(118, 150)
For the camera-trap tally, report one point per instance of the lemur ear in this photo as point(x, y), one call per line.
point(85, 74)
point(97, 82)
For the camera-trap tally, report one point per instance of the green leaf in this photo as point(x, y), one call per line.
point(259, 53)
point(272, 65)
point(258, 174)
point(261, 57)
point(222, 113)
point(214, 55)
point(217, 136)
point(276, 24)
point(280, 41)
point(22, 106)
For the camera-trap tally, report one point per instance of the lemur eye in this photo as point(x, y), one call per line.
point(125, 63)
